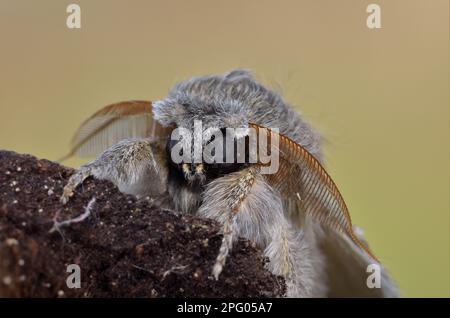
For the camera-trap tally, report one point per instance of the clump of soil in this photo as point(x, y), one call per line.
point(124, 248)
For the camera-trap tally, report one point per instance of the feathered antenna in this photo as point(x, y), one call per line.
point(301, 177)
point(113, 123)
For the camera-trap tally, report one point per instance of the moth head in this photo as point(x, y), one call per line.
point(200, 154)
point(218, 100)
point(206, 107)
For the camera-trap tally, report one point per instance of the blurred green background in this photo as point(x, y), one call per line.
point(379, 97)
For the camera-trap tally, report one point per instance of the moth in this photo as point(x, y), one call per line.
point(296, 215)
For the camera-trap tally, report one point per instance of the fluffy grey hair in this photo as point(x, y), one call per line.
point(233, 100)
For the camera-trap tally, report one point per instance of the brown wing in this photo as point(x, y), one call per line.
point(301, 177)
point(113, 123)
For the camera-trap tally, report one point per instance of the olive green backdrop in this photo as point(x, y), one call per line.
point(379, 97)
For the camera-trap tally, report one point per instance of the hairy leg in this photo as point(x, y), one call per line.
point(248, 207)
point(135, 166)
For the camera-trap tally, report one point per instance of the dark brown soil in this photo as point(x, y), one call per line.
point(124, 248)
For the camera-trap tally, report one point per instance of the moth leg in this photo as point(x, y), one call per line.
point(225, 248)
point(234, 189)
point(76, 179)
point(135, 166)
point(259, 217)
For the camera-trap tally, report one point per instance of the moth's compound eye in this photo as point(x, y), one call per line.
point(174, 154)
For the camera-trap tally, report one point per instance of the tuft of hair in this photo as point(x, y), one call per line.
point(233, 100)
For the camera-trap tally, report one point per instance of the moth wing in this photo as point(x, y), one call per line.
point(350, 271)
point(113, 123)
point(308, 190)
